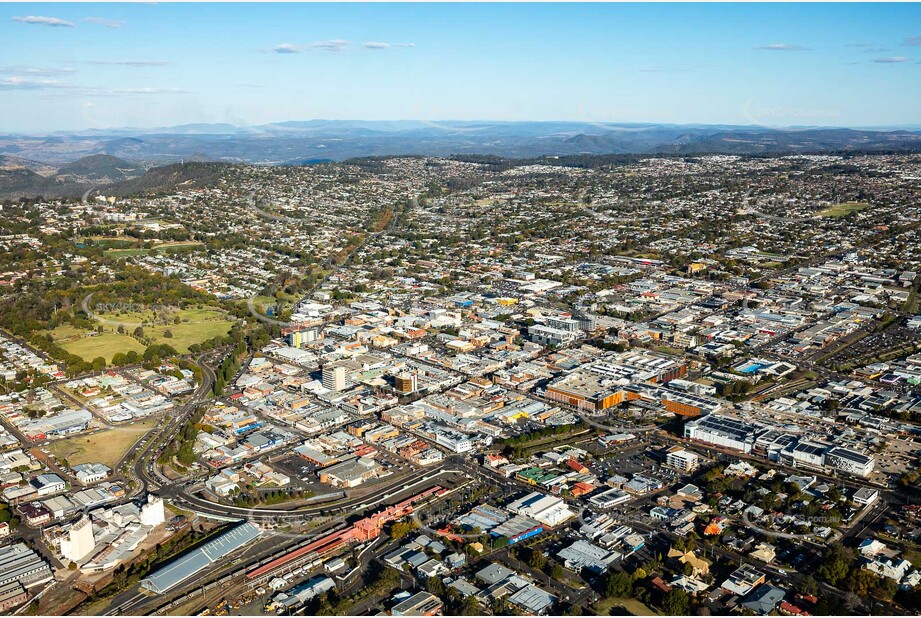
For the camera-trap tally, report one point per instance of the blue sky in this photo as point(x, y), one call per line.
point(76, 66)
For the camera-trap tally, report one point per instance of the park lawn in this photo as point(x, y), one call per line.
point(603, 607)
point(195, 326)
point(66, 332)
point(121, 253)
point(107, 446)
point(105, 345)
point(167, 246)
point(188, 333)
point(844, 209)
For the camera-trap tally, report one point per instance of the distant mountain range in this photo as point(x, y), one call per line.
point(298, 141)
point(64, 163)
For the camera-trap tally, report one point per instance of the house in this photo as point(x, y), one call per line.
point(764, 552)
point(764, 600)
point(743, 580)
point(865, 496)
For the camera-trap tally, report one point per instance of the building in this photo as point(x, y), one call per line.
point(583, 554)
point(533, 600)
point(548, 510)
point(406, 383)
point(335, 376)
point(849, 461)
point(763, 600)
point(865, 496)
point(610, 498)
point(722, 431)
point(194, 562)
point(682, 460)
point(12, 594)
point(88, 473)
point(80, 541)
point(152, 513)
point(349, 473)
point(586, 391)
point(47, 484)
point(20, 564)
point(419, 604)
point(743, 580)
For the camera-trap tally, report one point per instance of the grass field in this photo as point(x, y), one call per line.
point(843, 210)
point(106, 446)
point(636, 608)
point(169, 246)
point(105, 345)
point(195, 326)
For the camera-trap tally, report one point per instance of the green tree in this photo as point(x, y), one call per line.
point(676, 602)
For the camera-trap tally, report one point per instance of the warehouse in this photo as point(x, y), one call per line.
point(182, 569)
point(19, 563)
point(548, 510)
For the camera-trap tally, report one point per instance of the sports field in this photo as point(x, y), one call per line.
point(843, 210)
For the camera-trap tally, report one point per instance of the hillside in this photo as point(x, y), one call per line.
point(99, 168)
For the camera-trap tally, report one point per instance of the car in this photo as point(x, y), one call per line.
point(781, 571)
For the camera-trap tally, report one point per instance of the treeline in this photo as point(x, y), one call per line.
point(183, 442)
point(229, 368)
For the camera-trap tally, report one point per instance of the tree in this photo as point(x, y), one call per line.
point(99, 363)
point(809, 585)
point(138, 332)
point(168, 333)
point(676, 602)
point(618, 585)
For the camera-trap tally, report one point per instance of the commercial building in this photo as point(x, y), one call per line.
point(682, 460)
point(200, 559)
point(20, 564)
point(419, 604)
point(723, 431)
point(548, 510)
point(586, 391)
point(849, 461)
point(583, 554)
point(350, 473)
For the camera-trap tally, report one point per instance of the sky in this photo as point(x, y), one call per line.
point(76, 66)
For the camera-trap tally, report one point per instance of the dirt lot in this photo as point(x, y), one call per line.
point(107, 446)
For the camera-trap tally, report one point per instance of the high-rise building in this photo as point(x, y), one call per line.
point(406, 383)
point(80, 542)
point(334, 377)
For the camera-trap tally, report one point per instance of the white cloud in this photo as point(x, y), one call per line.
point(16, 82)
point(783, 47)
point(44, 21)
point(333, 45)
point(913, 41)
point(101, 21)
point(381, 45)
point(28, 70)
point(131, 63)
point(287, 48)
point(891, 60)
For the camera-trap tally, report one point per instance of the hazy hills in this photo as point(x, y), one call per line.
point(66, 164)
point(298, 141)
